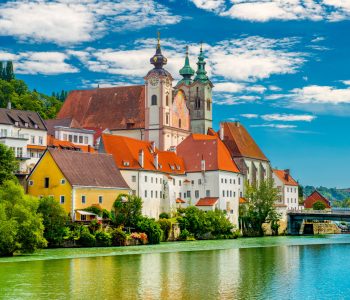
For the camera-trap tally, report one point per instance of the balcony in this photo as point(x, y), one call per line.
point(18, 136)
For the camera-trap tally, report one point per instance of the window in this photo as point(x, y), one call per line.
point(222, 180)
point(223, 193)
point(100, 199)
point(80, 139)
point(32, 139)
point(145, 178)
point(208, 105)
point(239, 180)
point(196, 194)
point(154, 100)
point(3, 132)
point(75, 139)
point(32, 154)
point(151, 194)
point(86, 140)
point(82, 218)
point(19, 152)
point(225, 180)
point(179, 123)
point(180, 183)
point(30, 182)
point(133, 178)
point(188, 194)
point(47, 182)
point(70, 138)
point(65, 136)
point(207, 193)
point(41, 141)
point(151, 179)
point(167, 100)
point(156, 194)
point(83, 199)
point(167, 119)
point(174, 182)
point(156, 180)
point(160, 194)
point(63, 181)
point(180, 194)
point(62, 199)
point(145, 193)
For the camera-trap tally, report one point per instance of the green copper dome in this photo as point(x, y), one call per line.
point(201, 72)
point(186, 72)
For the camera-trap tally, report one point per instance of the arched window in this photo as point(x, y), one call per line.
point(154, 100)
point(179, 123)
point(208, 105)
point(197, 103)
point(167, 100)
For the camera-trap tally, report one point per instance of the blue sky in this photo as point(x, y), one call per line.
point(281, 67)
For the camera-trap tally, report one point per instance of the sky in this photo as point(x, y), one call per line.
point(280, 67)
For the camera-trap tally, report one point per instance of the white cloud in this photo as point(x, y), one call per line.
point(321, 95)
point(288, 117)
point(285, 10)
point(209, 4)
point(75, 21)
point(280, 126)
point(318, 39)
point(230, 87)
point(250, 116)
point(346, 82)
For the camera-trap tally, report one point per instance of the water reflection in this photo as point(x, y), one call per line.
point(289, 272)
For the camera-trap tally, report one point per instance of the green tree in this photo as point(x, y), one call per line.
point(1, 69)
point(259, 207)
point(55, 220)
point(8, 164)
point(21, 227)
point(318, 205)
point(151, 228)
point(9, 71)
point(127, 210)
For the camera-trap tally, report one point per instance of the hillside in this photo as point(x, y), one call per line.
point(332, 194)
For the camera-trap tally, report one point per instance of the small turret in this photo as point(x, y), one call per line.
point(186, 72)
point(201, 72)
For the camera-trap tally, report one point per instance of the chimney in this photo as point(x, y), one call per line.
point(286, 174)
point(155, 160)
point(9, 105)
point(221, 131)
point(202, 164)
point(141, 158)
point(153, 146)
point(237, 124)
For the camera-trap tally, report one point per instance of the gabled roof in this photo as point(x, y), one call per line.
point(126, 150)
point(23, 117)
point(67, 122)
point(88, 169)
point(207, 201)
point(210, 148)
point(179, 200)
point(114, 108)
point(314, 197)
point(285, 177)
point(240, 143)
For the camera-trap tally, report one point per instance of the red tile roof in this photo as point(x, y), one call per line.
point(52, 142)
point(210, 148)
point(178, 200)
point(88, 169)
point(240, 142)
point(114, 108)
point(242, 200)
point(285, 177)
point(314, 197)
point(208, 201)
point(126, 150)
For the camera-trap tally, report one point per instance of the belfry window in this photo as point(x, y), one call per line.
point(167, 100)
point(179, 123)
point(154, 100)
point(197, 103)
point(208, 105)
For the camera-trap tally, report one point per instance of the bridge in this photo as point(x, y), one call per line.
point(297, 219)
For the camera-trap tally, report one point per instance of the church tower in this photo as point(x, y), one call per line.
point(167, 120)
point(198, 94)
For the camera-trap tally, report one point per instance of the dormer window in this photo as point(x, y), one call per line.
point(16, 123)
point(26, 124)
point(35, 125)
point(126, 163)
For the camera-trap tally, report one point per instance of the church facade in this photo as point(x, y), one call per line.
point(156, 111)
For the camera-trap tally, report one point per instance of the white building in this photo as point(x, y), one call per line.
point(213, 179)
point(25, 133)
point(288, 190)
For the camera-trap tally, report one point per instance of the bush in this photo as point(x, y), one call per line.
point(127, 210)
point(165, 225)
point(164, 215)
point(119, 237)
point(318, 205)
point(87, 239)
point(94, 225)
point(103, 239)
point(151, 228)
point(184, 234)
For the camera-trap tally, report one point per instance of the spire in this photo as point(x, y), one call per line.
point(201, 72)
point(158, 60)
point(186, 72)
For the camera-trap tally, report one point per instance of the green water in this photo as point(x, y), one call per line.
point(259, 268)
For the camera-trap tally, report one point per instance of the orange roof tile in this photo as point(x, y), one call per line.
point(36, 147)
point(242, 200)
point(210, 148)
point(52, 142)
point(207, 201)
point(114, 108)
point(240, 143)
point(126, 150)
point(285, 177)
point(178, 200)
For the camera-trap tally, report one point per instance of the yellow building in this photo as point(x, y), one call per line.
point(77, 180)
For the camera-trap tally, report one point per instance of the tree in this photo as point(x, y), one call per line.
point(21, 227)
point(318, 205)
point(127, 210)
point(1, 69)
point(259, 207)
point(54, 220)
point(9, 71)
point(8, 164)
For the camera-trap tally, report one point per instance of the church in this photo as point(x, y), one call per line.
point(158, 111)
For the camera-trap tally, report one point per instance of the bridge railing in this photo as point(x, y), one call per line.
point(326, 211)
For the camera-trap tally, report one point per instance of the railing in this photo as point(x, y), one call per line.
point(14, 136)
point(326, 211)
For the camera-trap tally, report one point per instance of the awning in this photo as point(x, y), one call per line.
point(36, 147)
point(85, 213)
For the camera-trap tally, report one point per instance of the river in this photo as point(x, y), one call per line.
point(314, 267)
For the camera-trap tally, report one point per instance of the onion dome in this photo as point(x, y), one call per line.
point(186, 72)
point(201, 72)
point(158, 60)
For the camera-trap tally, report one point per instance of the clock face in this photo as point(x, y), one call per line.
point(154, 81)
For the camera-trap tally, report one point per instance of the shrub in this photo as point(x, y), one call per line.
point(151, 228)
point(127, 210)
point(164, 215)
point(94, 225)
point(87, 239)
point(119, 237)
point(143, 238)
point(103, 239)
point(165, 225)
point(135, 236)
point(184, 234)
point(318, 205)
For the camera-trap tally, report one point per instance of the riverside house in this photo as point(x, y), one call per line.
point(77, 180)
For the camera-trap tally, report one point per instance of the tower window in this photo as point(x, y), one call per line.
point(208, 105)
point(198, 103)
point(167, 119)
point(179, 123)
point(154, 100)
point(167, 100)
